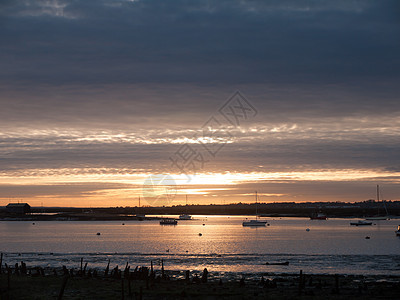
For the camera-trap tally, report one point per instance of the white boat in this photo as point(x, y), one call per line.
point(361, 223)
point(398, 231)
point(377, 218)
point(185, 216)
point(255, 222)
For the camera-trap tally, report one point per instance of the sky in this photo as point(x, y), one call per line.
point(106, 101)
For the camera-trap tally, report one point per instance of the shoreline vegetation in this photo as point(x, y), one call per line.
point(146, 282)
point(330, 209)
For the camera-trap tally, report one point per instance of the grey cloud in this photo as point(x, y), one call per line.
point(295, 149)
point(57, 190)
point(198, 42)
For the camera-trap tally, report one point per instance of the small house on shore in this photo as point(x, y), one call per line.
point(18, 208)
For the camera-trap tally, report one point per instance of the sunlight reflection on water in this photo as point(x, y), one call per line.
point(331, 246)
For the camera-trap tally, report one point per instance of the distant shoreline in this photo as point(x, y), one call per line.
point(363, 209)
point(111, 217)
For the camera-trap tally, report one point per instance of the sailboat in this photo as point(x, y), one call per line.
point(185, 216)
point(384, 205)
point(255, 222)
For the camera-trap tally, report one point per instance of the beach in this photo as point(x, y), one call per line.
point(123, 285)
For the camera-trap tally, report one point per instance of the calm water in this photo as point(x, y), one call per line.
point(226, 247)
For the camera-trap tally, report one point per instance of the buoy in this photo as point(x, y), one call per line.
point(367, 237)
point(123, 223)
point(33, 223)
point(308, 229)
point(200, 234)
point(204, 224)
point(268, 224)
point(98, 233)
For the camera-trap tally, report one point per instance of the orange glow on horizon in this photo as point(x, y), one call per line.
point(112, 187)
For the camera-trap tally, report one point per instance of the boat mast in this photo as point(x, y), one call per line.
point(377, 192)
point(377, 197)
point(256, 207)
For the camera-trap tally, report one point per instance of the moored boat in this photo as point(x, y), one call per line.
point(285, 263)
point(185, 217)
point(379, 217)
point(361, 223)
point(168, 221)
point(255, 222)
point(319, 216)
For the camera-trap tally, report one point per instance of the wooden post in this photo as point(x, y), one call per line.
point(1, 261)
point(162, 269)
point(204, 276)
point(107, 269)
point(187, 277)
point(84, 269)
point(64, 283)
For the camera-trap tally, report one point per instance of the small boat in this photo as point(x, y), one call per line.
point(285, 263)
point(398, 231)
point(361, 223)
point(255, 222)
point(185, 217)
point(168, 221)
point(376, 218)
point(319, 216)
point(379, 217)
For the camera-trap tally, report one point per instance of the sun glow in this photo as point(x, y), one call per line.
point(92, 186)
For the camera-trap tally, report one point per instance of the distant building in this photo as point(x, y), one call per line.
point(18, 208)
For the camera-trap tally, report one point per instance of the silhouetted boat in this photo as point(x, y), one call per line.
point(319, 216)
point(168, 221)
point(361, 223)
point(285, 263)
point(255, 222)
